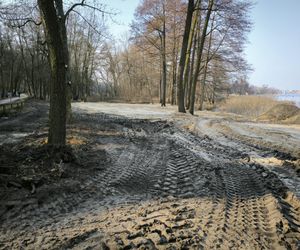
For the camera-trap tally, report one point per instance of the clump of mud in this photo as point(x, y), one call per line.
point(27, 166)
point(35, 163)
point(282, 112)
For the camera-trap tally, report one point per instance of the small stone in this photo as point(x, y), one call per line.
point(163, 240)
point(135, 235)
point(119, 241)
point(104, 246)
point(172, 238)
point(130, 246)
point(178, 218)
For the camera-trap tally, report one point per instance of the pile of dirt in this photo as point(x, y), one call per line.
point(29, 166)
point(287, 113)
point(295, 119)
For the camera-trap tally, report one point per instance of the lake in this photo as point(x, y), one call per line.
point(289, 97)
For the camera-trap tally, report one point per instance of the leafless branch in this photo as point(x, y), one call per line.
point(73, 7)
point(88, 22)
point(29, 20)
point(83, 4)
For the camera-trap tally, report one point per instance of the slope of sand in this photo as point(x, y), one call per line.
point(282, 113)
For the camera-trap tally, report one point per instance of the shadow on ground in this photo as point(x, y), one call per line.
point(128, 183)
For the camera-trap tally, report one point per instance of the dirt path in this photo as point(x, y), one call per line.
point(149, 184)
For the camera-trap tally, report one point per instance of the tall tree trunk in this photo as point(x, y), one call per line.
point(174, 70)
point(190, 43)
point(25, 67)
point(199, 56)
point(32, 76)
point(58, 90)
point(191, 71)
point(202, 86)
point(164, 59)
point(160, 84)
point(2, 78)
point(180, 87)
point(64, 38)
point(174, 60)
point(1, 70)
point(189, 63)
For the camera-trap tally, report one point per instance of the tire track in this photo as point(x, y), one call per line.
point(159, 190)
point(180, 170)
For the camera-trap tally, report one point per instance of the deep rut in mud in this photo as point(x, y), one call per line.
point(156, 187)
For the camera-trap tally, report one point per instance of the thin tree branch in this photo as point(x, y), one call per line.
point(23, 24)
point(83, 4)
point(73, 7)
point(88, 22)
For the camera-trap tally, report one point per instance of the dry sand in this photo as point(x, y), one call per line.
point(146, 177)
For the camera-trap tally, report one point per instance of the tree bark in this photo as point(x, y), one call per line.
point(199, 58)
point(202, 86)
point(191, 71)
point(174, 70)
point(180, 87)
point(164, 59)
point(189, 62)
point(64, 37)
point(53, 23)
point(174, 60)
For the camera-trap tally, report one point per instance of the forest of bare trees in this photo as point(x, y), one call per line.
point(24, 51)
point(201, 42)
point(143, 67)
point(103, 141)
point(180, 52)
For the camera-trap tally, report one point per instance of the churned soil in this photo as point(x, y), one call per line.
point(132, 180)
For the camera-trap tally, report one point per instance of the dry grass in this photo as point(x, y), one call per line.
point(250, 106)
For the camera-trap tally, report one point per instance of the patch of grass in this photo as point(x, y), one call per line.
point(250, 106)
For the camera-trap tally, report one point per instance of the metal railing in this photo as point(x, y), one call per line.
point(9, 104)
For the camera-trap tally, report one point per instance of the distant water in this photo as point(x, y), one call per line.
point(290, 97)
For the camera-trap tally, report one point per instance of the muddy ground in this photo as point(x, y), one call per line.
point(142, 177)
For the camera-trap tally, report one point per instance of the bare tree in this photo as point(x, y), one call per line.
point(182, 62)
point(54, 24)
point(199, 55)
point(150, 27)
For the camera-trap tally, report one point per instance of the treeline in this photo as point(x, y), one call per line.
point(24, 60)
point(146, 66)
point(183, 52)
point(242, 87)
point(212, 35)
